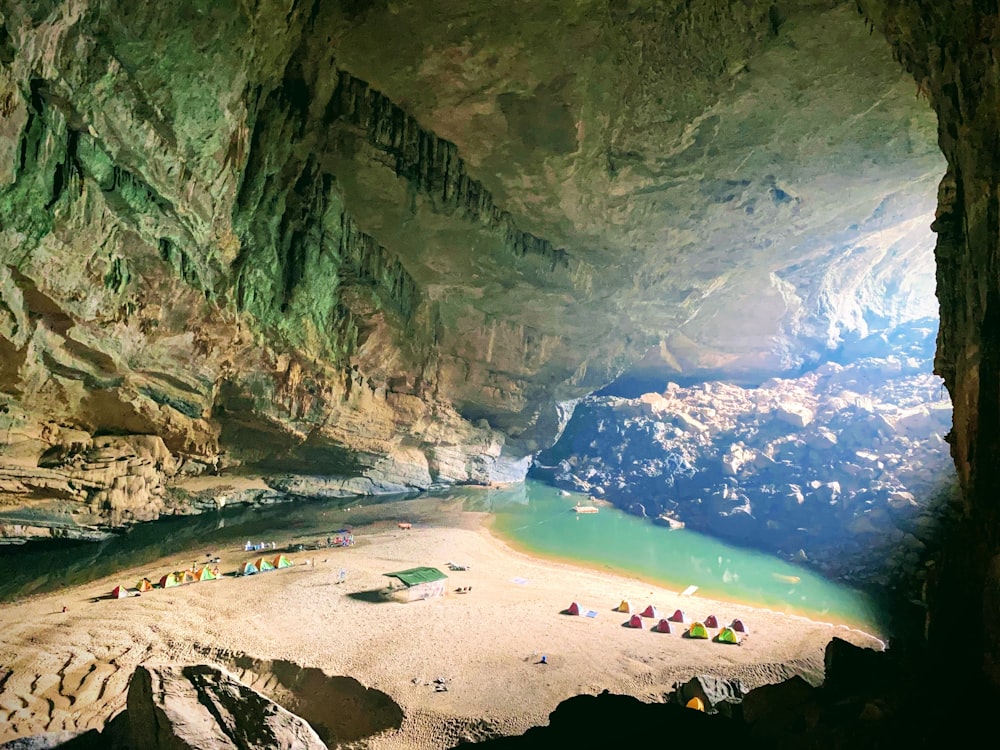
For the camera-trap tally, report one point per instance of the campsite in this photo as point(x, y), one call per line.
point(522, 608)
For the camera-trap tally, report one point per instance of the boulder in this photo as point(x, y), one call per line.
point(795, 414)
point(201, 706)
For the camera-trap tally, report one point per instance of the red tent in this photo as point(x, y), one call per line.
point(635, 621)
point(663, 626)
point(739, 627)
point(119, 592)
point(650, 611)
point(678, 616)
point(574, 609)
point(711, 621)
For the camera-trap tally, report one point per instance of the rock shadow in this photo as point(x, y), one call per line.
point(340, 709)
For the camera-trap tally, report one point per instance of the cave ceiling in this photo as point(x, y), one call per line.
point(390, 236)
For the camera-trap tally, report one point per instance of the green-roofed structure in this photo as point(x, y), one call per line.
point(419, 583)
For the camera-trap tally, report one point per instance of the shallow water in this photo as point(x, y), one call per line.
point(539, 520)
point(531, 517)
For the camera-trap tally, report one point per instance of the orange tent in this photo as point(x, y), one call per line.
point(204, 574)
point(144, 585)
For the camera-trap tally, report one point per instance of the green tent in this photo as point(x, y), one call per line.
point(171, 579)
point(204, 574)
point(728, 635)
point(261, 564)
point(281, 562)
point(697, 630)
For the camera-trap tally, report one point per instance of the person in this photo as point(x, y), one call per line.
point(343, 575)
point(64, 608)
point(544, 659)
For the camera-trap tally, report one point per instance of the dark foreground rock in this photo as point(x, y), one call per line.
point(868, 700)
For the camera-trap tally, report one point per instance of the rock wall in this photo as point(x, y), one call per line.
point(949, 51)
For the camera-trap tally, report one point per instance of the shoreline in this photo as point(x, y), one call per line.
point(861, 628)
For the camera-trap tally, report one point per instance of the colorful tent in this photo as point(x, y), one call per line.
point(634, 621)
point(281, 562)
point(144, 585)
point(188, 576)
point(678, 616)
point(697, 630)
point(696, 703)
point(204, 574)
point(625, 606)
point(728, 635)
point(119, 592)
point(247, 569)
point(171, 579)
point(711, 621)
point(261, 564)
point(738, 626)
point(650, 611)
point(574, 609)
point(663, 626)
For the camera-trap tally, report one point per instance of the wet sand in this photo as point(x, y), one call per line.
point(70, 670)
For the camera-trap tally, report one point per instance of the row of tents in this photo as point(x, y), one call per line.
point(262, 565)
point(205, 573)
point(695, 629)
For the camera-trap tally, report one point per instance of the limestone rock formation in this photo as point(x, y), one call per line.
point(378, 244)
point(844, 468)
point(202, 707)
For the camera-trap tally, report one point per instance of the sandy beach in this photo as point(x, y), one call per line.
point(70, 670)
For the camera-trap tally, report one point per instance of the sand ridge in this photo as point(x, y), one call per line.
point(70, 670)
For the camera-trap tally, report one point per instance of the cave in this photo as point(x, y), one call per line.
point(356, 249)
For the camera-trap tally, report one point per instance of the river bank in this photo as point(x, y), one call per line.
point(70, 669)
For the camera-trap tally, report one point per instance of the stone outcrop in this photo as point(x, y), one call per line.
point(200, 706)
point(844, 468)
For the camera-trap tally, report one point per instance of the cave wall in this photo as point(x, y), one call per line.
point(950, 51)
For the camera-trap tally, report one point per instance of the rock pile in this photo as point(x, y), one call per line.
point(845, 468)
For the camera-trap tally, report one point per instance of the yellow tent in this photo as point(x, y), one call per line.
point(261, 564)
point(625, 606)
point(281, 562)
point(144, 585)
point(696, 703)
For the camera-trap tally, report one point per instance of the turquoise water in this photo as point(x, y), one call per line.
point(539, 520)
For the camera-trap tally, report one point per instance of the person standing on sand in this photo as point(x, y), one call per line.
point(343, 576)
